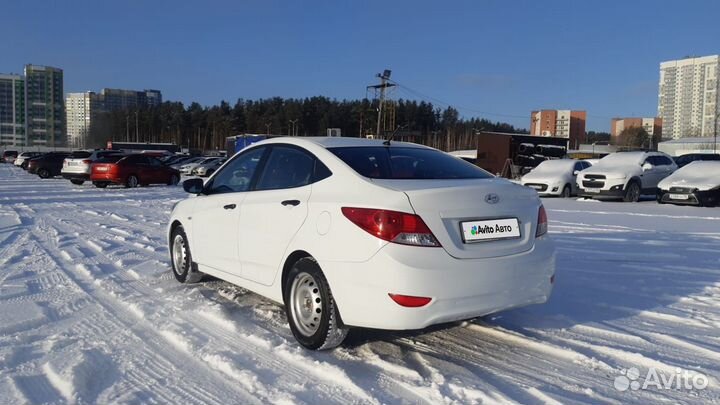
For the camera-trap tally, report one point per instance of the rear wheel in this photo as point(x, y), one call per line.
point(632, 194)
point(100, 184)
point(77, 182)
point(181, 257)
point(310, 307)
point(132, 181)
point(174, 180)
point(43, 173)
point(566, 191)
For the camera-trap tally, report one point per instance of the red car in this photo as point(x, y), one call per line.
point(131, 171)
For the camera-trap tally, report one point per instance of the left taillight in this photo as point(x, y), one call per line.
point(87, 161)
point(542, 223)
point(392, 226)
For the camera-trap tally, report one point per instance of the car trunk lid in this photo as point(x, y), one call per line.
point(445, 204)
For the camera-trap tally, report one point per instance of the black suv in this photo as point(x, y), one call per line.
point(47, 165)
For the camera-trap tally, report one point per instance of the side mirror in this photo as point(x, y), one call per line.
point(193, 186)
point(575, 173)
point(647, 167)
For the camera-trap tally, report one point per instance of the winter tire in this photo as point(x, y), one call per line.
point(43, 173)
point(174, 180)
point(566, 191)
point(311, 311)
point(632, 194)
point(99, 184)
point(77, 182)
point(181, 258)
point(132, 181)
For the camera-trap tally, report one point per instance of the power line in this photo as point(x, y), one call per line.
point(438, 101)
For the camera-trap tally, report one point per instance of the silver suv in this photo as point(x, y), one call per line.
point(625, 175)
point(76, 167)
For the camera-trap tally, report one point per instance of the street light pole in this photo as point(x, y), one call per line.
point(294, 131)
point(137, 128)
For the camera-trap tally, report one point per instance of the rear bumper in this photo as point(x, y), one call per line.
point(106, 178)
point(460, 289)
point(75, 176)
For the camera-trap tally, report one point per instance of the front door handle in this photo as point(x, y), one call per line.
point(294, 203)
point(230, 206)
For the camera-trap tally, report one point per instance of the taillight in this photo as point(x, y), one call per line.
point(87, 161)
point(410, 301)
point(392, 226)
point(542, 225)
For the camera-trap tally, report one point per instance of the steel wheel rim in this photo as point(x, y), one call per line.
point(306, 304)
point(179, 254)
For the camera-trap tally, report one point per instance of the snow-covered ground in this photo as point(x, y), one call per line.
point(90, 313)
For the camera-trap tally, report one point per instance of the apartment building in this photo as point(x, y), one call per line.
point(567, 124)
point(688, 97)
point(652, 125)
point(44, 106)
point(12, 110)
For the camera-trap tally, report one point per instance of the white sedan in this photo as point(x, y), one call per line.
point(350, 232)
point(555, 177)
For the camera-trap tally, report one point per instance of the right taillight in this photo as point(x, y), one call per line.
point(542, 223)
point(392, 226)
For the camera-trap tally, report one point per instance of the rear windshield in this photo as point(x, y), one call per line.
point(110, 159)
point(80, 154)
point(402, 163)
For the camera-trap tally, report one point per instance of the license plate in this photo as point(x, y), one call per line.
point(536, 187)
point(679, 196)
point(592, 190)
point(491, 229)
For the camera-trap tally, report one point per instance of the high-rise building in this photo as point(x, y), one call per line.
point(688, 98)
point(44, 106)
point(559, 124)
point(12, 110)
point(119, 99)
point(79, 110)
point(653, 125)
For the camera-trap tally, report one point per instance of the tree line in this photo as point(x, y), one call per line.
point(205, 128)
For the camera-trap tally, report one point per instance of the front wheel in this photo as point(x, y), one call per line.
point(632, 194)
point(174, 180)
point(181, 257)
point(310, 307)
point(566, 191)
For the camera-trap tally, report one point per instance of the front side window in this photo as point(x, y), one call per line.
point(286, 168)
point(406, 163)
point(237, 175)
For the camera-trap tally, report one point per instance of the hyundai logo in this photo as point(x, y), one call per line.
point(492, 198)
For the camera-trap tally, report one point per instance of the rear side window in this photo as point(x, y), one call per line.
point(81, 154)
point(286, 168)
point(403, 163)
point(109, 159)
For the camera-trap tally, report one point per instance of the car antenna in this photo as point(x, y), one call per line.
point(387, 141)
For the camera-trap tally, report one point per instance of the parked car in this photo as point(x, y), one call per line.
point(697, 183)
point(207, 169)
point(22, 159)
point(555, 177)
point(48, 164)
point(179, 164)
point(9, 156)
point(171, 160)
point(131, 171)
point(350, 232)
point(625, 175)
point(76, 167)
point(187, 168)
point(683, 160)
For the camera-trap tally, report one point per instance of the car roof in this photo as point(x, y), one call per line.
point(339, 142)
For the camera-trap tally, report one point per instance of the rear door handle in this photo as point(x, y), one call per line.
point(294, 203)
point(230, 206)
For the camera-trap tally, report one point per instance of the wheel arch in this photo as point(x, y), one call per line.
point(289, 262)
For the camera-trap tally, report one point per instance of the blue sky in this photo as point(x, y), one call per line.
point(493, 59)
